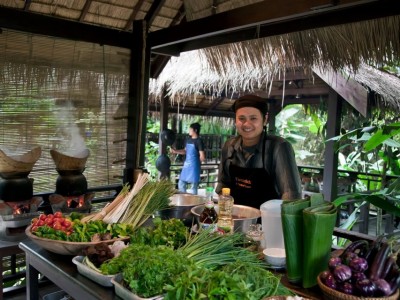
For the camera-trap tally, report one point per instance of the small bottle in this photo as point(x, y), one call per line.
point(225, 206)
point(209, 217)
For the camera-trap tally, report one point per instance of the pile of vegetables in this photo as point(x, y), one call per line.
point(206, 267)
point(70, 228)
point(135, 206)
point(364, 269)
point(171, 232)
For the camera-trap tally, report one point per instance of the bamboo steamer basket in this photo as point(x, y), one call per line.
point(65, 162)
point(331, 294)
point(19, 163)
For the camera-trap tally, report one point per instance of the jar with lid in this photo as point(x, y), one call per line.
point(225, 207)
point(208, 218)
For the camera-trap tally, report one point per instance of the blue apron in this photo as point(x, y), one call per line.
point(191, 167)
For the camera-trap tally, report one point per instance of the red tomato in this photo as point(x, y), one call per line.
point(40, 223)
point(50, 216)
point(57, 226)
point(42, 217)
point(57, 219)
point(49, 221)
point(34, 220)
point(58, 214)
point(67, 223)
point(34, 228)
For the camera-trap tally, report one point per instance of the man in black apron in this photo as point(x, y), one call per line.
point(255, 166)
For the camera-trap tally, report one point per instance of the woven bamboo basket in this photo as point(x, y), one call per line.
point(19, 163)
point(66, 162)
point(331, 294)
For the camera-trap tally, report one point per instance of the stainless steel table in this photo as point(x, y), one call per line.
point(62, 272)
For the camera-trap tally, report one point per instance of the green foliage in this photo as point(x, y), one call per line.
point(380, 140)
point(304, 130)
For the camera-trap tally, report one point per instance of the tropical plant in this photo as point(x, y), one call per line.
point(380, 140)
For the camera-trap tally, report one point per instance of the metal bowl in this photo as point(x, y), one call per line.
point(243, 216)
point(181, 205)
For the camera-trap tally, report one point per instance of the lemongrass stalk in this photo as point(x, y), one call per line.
point(109, 206)
point(118, 211)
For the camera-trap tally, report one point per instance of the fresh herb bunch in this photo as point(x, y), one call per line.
point(233, 281)
point(153, 196)
point(147, 269)
point(213, 250)
point(171, 232)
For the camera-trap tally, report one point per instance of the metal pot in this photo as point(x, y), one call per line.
point(243, 216)
point(181, 205)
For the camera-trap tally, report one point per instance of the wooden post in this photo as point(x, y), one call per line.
point(138, 100)
point(331, 156)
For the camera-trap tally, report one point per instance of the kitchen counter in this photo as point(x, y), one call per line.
point(61, 271)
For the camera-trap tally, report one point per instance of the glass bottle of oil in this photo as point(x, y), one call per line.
point(225, 207)
point(209, 217)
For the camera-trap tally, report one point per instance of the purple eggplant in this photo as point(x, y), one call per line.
point(328, 279)
point(356, 276)
point(346, 287)
point(333, 262)
point(382, 287)
point(358, 264)
point(348, 257)
point(342, 273)
point(366, 287)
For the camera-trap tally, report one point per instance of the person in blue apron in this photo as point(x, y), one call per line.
point(257, 167)
point(194, 151)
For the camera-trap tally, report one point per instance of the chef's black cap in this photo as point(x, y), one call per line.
point(251, 101)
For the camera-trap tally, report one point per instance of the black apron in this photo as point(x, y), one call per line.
point(252, 186)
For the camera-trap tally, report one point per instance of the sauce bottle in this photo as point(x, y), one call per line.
point(225, 206)
point(209, 217)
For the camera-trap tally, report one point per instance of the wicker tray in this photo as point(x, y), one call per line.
point(66, 162)
point(331, 294)
point(63, 247)
point(21, 163)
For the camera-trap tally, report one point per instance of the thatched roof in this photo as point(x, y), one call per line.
point(261, 65)
point(278, 48)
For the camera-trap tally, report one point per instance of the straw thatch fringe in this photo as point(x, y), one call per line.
point(251, 65)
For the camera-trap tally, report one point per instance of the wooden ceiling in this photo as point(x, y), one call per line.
point(110, 22)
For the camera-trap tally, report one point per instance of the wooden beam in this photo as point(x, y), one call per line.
point(351, 91)
point(194, 111)
point(85, 10)
point(46, 25)
point(132, 17)
point(266, 18)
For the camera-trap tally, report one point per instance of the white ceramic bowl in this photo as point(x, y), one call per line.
point(275, 257)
